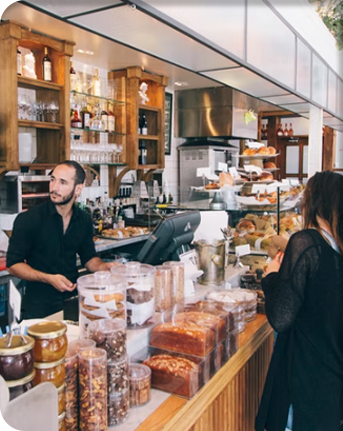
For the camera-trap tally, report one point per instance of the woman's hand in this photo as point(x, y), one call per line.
point(275, 264)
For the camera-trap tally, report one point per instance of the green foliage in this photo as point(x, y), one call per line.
point(331, 12)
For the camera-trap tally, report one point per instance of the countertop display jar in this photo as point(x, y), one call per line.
point(61, 399)
point(163, 288)
point(118, 408)
point(51, 340)
point(71, 389)
point(81, 344)
point(101, 296)
point(93, 390)
point(140, 384)
point(178, 280)
point(140, 302)
point(110, 335)
point(19, 387)
point(16, 361)
point(53, 372)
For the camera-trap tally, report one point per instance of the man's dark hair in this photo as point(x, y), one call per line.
point(80, 174)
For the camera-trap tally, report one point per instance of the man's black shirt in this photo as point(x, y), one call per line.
point(38, 239)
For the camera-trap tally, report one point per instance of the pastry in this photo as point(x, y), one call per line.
point(212, 186)
point(246, 225)
point(249, 152)
point(225, 179)
point(187, 338)
point(271, 150)
point(174, 374)
point(269, 165)
point(263, 150)
point(266, 176)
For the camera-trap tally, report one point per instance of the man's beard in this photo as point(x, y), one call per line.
point(66, 199)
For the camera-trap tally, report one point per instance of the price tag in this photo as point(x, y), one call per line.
point(258, 188)
point(294, 182)
point(15, 300)
point(233, 172)
point(203, 172)
point(222, 167)
point(253, 168)
point(190, 257)
point(285, 181)
point(242, 250)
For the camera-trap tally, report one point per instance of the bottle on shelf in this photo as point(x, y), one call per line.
point(279, 131)
point(142, 159)
point(85, 115)
point(104, 116)
point(110, 118)
point(164, 199)
point(96, 84)
point(170, 199)
point(19, 62)
point(76, 121)
point(290, 130)
point(144, 125)
point(266, 131)
point(285, 130)
point(46, 66)
point(73, 78)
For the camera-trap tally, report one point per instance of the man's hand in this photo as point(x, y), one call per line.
point(96, 264)
point(61, 283)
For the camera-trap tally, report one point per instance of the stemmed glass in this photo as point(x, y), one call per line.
point(53, 109)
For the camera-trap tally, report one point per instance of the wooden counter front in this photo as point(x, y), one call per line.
point(230, 400)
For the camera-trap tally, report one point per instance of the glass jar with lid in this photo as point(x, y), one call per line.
point(140, 384)
point(51, 340)
point(19, 387)
point(71, 388)
point(16, 360)
point(110, 335)
point(178, 280)
point(163, 288)
point(140, 299)
point(53, 372)
point(81, 344)
point(101, 296)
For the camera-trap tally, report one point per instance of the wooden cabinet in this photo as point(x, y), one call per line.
point(52, 136)
point(154, 114)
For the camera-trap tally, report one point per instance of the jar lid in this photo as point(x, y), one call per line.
point(61, 388)
point(47, 365)
point(17, 346)
point(47, 330)
point(20, 382)
point(139, 371)
point(61, 416)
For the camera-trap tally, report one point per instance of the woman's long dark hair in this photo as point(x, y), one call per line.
point(323, 197)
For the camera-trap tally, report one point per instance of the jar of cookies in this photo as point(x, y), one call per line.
point(101, 296)
point(178, 280)
point(140, 300)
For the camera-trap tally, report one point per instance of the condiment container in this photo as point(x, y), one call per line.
point(71, 389)
point(81, 344)
point(19, 387)
point(118, 407)
point(178, 280)
point(163, 288)
point(140, 282)
point(51, 340)
point(93, 389)
point(61, 422)
point(61, 399)
point(110, 335)
point(101, 296)
point(140, 384)
point(118, 375)
point(16, 361)
point(53, 372)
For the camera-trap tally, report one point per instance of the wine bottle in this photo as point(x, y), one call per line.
point(290, 130)
point(19, 62)
point(285, 130)
point(279, 131)
point(144, 126)
point(73, 78)
point(96, 84)
point(46, 66)
point(142, 152)
point(85, 115)
point(104, 116)
point(110, 118)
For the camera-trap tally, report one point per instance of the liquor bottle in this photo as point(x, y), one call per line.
point(290, 130)
point(144, 125)
point(76, 121)
point(73, 78)
point(263, 132)
point(139, 124)
point(285, 130)
point(96, 84)
point(142, 152)
point(266, 132)
point(104, 116)
point(19, 62)
point(279, 131)
point(85, 115)
point(110, 120)
point(46, 66)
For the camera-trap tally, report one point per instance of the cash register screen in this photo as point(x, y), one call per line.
point(170, 238)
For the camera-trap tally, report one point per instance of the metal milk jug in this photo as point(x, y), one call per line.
point(211, 260)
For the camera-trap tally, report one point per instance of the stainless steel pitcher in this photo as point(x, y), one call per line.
point(211, 259)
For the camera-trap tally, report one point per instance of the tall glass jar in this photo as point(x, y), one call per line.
point(163, 288)
point(140, 302)
point(72, 390)
point(101, 296)
point(93, 389)
point(178, 282)
point(110, 335)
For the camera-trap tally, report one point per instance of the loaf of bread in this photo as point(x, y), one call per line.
point(269, 165)
point(263, 150)
point(207, 320)
point(189, 338)
point(174, 374)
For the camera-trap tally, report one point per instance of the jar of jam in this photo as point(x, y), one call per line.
point(51, 340)
point(53, 372)
point(61, 422)
point(61, 398)
point(16, 361)
point(19, 387)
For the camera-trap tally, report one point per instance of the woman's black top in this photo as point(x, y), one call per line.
point(304, 304)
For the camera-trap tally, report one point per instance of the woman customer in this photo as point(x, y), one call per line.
point(304, 304)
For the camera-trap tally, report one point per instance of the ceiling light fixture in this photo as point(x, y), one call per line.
point(85, 51)
point(181, 83)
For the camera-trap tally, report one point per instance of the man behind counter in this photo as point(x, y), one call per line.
point(45, 241)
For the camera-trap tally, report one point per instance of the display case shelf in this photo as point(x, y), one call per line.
point(24, 81)
point(107, 99)
point(40, 124)
point(96, 131)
